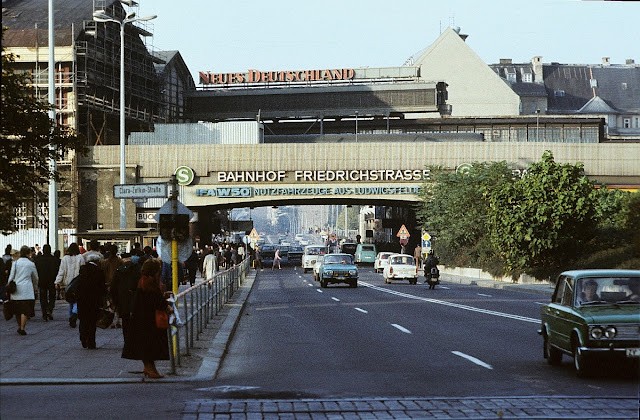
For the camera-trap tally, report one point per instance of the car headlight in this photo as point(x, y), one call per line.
point(597, 333)
point(328, 272)
point(353, 272)
point(610, 332)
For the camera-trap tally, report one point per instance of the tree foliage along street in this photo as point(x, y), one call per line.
point(544, 218)
point(455, 210)
point(26, 134)
point(550, 219)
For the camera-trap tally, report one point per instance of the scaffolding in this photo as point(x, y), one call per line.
point(98, 76)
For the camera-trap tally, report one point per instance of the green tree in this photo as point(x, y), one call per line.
point(26, 134)
point(454, 210)
point(543, 219)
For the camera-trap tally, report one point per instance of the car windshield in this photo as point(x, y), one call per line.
point(315, 251)
point(338, 259)
point(607, 290)
point(404, 259)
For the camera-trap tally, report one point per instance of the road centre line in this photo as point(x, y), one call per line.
point(453, 305)
point(319, 291)
point(361, 310)
point(335, 298)
point(482, 294)
point(401, 328)
point(472, 359)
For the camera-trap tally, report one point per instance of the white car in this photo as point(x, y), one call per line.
point(381, 261)
point(316, 267)
point(400, 267)
point(310, 256)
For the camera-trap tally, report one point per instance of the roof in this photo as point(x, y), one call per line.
point(597, 105)
point(571, 86)
point(601, 272)
point(529, 89)
point(28, 21)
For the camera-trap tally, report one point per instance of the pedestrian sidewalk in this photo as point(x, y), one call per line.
point(542, 287)
point(51, 352)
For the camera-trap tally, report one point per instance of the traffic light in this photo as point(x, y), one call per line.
point(174, 226)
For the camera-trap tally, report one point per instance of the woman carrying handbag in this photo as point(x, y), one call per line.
point(147, 342)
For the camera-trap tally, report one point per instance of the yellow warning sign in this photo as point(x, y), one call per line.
point(254, 234)
point(403, 232)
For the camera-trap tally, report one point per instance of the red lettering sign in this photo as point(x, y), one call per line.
point(257, 76)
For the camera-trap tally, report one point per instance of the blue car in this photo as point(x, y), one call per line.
point(338, 268)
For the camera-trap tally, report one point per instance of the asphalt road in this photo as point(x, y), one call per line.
point(298, 340)
point(376, 351)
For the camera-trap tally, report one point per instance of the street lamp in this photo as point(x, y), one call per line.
point(101, 16)
point(537, 123)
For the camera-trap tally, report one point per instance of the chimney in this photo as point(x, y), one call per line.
point(606, 61)
point(630, 61)
point(505, 61)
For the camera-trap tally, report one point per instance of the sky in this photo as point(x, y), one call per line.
point(234, 36)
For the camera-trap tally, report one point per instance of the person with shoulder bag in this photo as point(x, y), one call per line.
point(148, 341)
point(25, 276)
point(69, 269)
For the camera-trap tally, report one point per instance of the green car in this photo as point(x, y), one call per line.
point(593, 315)
point(338, 268)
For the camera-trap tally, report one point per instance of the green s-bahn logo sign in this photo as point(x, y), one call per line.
point(184, 175)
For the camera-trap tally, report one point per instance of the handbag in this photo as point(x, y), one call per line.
point(162, 319)
point(105, 318)
point(7, 310)
point(11, 287)
point(71, 291)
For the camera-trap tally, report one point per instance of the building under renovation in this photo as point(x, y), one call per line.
point(87, 81)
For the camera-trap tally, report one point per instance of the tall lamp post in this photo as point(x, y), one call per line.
point(101, 16)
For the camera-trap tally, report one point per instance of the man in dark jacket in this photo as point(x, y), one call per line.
point(91, 294)
point(47, 266)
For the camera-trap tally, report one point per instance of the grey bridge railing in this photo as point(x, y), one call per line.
point(198, 305)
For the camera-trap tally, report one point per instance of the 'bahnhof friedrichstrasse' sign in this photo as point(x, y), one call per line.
point(356, 175)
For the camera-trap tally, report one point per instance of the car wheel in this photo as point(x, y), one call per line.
point(580, 362)
point(552, 354)
point(353, 283)
point(323, 283)
point(413, 281)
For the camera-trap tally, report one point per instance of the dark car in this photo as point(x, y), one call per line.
point(295, 254)
point(349, 248)
point(593, 315)
point(268, 252)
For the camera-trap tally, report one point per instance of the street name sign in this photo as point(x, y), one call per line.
point(140, 190)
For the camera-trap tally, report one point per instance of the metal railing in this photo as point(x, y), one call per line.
point(196, 306)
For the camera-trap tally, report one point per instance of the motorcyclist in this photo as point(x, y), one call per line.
point(431, 262)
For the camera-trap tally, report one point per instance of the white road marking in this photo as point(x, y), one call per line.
point(482, 294)
point(310, 285)
point(539, 303)
point(319, 291)
point(472, 359)
point(336, 299)
point(444, 287)
point(401, 328)
point(451, 304)
point(361, 310)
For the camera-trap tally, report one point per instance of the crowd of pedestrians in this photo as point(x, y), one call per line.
point(99, 284)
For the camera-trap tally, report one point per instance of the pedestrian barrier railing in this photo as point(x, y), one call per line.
point(196, 306)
